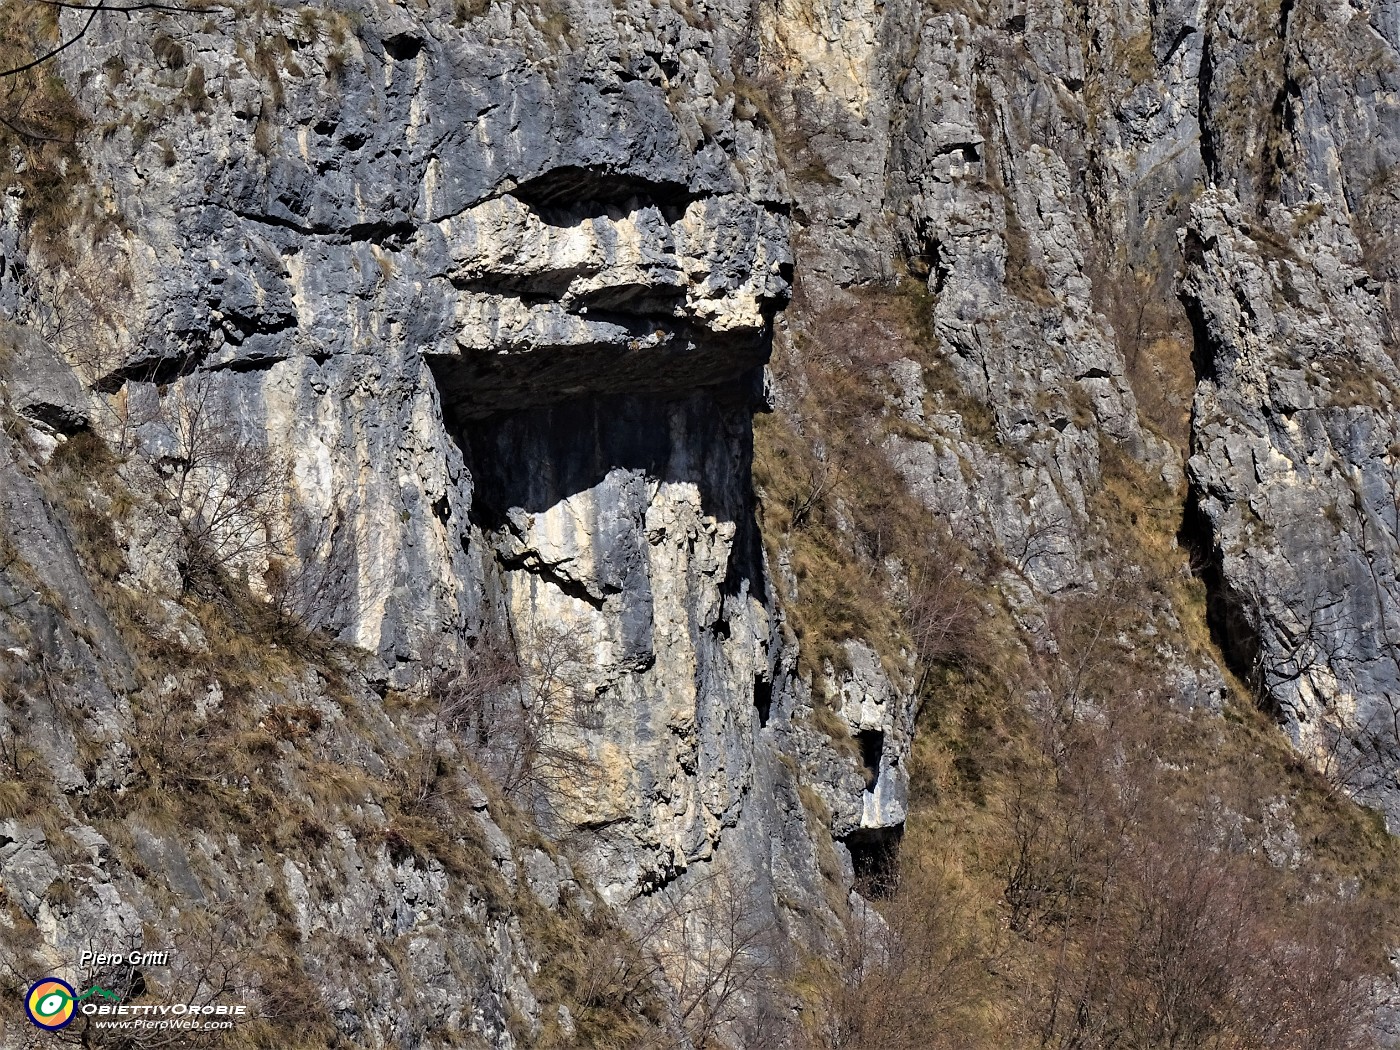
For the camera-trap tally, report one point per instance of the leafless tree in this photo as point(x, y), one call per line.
point(522, 709)
point(463, 690)
point(941, 614)
point(532, 742)
point(224, 485)
point(311, 582)
point(1044, 536)
point(1161, 926)
point(906, 977)
point(818, 481)
point(710, 940)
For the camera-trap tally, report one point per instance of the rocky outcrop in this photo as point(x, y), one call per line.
point(478, 302)
point(354, 258)
point(1293, 477)
point(1039, 170)
point(494, 327)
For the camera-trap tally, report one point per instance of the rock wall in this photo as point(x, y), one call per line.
point(496, 289)
point(1294, 479)
point(1164, 232)
point(495, 296)
point(433, 250)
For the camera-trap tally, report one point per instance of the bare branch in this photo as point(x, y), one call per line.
point(101, 7)
point(98, 9)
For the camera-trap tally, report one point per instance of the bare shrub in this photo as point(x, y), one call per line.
point(224, 485)
point(1120, 892)
point(942, 613)
point(189, 744)
point(520, 709)
point(1188, 944)
point(310, 582)
point(1163, 924)
point(530, 743)
point(619, 976)
point(712, 942)
point(912, 976)
point(702, 964)
point(463, 692)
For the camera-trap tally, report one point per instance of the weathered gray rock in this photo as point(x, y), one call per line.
point(497, 293)
point(1294, 443)
point(41, 384)
point(502, 321)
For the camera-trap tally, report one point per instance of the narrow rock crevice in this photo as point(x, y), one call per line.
point(1210, 159)
point(533, 564)
point(763, 701)
point(1231, 628)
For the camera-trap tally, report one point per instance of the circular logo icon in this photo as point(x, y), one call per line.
point(49, 1004)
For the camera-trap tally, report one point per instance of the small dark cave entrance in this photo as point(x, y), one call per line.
point(872, 750)
point(762, 700)
point(875, 860)
point(1230, 627)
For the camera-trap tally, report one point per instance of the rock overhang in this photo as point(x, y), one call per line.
point(627, 291)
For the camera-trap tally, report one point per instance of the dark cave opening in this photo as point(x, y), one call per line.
point(875, 860)
point(529, 460)
point(573, 186)
point(533, 458)
point(403, 47)
point(872, 749)
point(762, 700)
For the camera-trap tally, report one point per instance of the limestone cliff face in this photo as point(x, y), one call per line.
point(496, 290)
point(1295, 481)
point(1069, 180)
point(496, 296)
point(452, 283)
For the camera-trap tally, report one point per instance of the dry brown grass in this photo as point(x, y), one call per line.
point(38, 119)
point(831, 497)
point(41, 125)
point(1155, 339)
point(285, 775)
point(1085, 864)
point(1071, 833)
point(1103, 866)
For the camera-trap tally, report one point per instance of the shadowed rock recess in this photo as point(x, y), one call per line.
point(568, 524)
